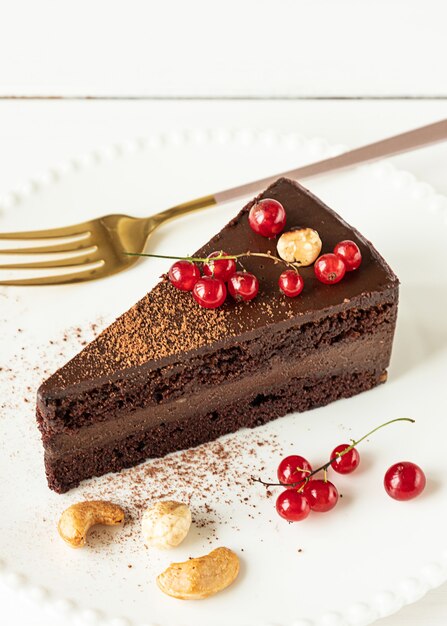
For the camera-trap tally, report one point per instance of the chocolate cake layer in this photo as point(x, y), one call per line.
point(144, 388)
point(367, 352)
point(300, 394)
point(157, 376)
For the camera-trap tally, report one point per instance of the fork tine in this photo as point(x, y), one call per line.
point(67, 231)
point(72, 246)
point(57, 263)
point(86, 274)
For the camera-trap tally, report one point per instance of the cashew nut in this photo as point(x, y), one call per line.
point(75, 522)
point(166, 524)
point(202, 577)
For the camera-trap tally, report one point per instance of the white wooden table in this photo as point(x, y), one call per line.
point(377, 68)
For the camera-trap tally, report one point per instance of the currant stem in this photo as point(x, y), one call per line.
point(339, 454)
point(234, 257)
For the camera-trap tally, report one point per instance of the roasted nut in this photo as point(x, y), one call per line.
point(202, 577)
point(302, 245)
point(76, 521)
point(165, 524)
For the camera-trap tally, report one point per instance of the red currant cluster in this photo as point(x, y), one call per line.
point(304, 493)
point(330, 268)
point(311, 494)
point(267, 218)
point(210, 290)
point(220, 275)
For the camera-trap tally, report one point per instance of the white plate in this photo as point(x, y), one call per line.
point(362, 561)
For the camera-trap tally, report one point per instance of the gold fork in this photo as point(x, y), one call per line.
point(98, 247)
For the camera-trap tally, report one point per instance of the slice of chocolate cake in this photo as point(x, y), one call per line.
point(169, 374)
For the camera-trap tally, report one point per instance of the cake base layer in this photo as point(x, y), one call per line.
point(293, 395)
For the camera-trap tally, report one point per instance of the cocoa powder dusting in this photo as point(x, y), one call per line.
point(56, 350)
point(168, 322)
point(212, 479)
point(164, 323)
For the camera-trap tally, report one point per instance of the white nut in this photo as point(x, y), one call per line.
point(165, 524)
point(302, 245)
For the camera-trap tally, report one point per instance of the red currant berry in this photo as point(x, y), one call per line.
point(267, 217)
point(293, 469)
point(348, 462)
point(209, 292)
point(243, 286)
point(322, 495)
point(329, 269)
point(404, 481)
point(292, 505)
point(291, 283)
point(184, 275)
point(222, 269)
point(350, 254)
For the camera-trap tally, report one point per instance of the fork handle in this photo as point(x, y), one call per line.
point(404, 142)
point(410, 140)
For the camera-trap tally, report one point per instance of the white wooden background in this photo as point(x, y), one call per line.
point(78, 75)
point(190, 48)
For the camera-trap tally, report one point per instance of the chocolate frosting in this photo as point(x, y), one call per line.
point(167, 326)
